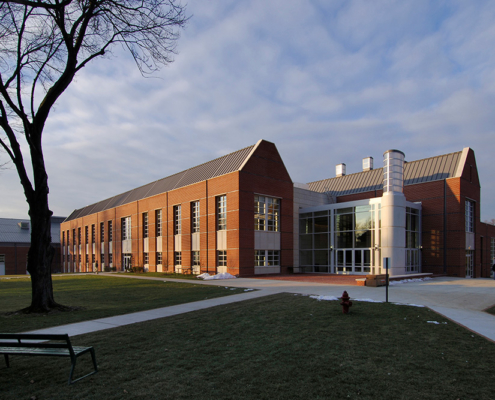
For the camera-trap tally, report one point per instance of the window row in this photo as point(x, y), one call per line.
point(195, 259)
point(76, 237)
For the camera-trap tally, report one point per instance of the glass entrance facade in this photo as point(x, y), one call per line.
point(346, 238)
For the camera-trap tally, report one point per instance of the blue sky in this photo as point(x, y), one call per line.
point(326, 81)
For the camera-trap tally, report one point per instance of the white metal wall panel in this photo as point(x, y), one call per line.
point(222, 241)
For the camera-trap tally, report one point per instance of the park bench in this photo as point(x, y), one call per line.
point(30, 344)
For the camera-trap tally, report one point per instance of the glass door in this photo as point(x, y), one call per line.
point(469, 263)
point(127, 262)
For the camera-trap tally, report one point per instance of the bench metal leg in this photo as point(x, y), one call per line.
point(93, 357)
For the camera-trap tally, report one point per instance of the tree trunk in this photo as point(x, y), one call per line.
point(40, 258)
point(41, 252)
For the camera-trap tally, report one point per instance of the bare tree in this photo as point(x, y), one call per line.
point(43, 44)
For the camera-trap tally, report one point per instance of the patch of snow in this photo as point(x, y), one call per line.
point(406, 304)
point(248, 290)
point(433, 322)
point(319, 298)
point(369, 300)
point(207, 277)
point(409, 281)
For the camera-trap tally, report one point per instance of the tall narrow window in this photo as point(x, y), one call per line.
point(110, 231)
point(469, 216)
point(74, 240)
point(272, 214)
point(222, 213)
point(86, 234)
point(259, 213)
point(145, 225)
point(177, 258)
point(222, 258)
point(195, 258)
point(195, 216)
point(146, 258)
point(158, 258)
point(126, 228)
point(79, 236)
point(93, 233)
point(63, 239)
point(158, 223)
point(177, 220)
point(102, 232)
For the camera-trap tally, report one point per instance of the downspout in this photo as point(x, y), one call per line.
point(445, 226)
point(207, 231)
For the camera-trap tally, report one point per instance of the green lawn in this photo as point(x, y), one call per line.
point(100, 296)
point(277, 347)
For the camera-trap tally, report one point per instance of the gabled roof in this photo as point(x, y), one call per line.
point(220, 166)
point(425, 170)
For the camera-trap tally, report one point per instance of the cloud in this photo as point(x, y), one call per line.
point(328, 82)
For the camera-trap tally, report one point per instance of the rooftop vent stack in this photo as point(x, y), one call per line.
point(393, 171)
point(340, 170)
point(367, 164)
point(23, 225)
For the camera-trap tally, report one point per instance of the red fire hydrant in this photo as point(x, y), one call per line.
point(346, 303)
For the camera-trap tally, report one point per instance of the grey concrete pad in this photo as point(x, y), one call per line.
point(461, 300)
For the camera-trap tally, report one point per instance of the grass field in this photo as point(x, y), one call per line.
point(100, 296)
point(277, 347)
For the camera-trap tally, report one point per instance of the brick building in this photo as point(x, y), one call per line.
point(15, 240)
point(242, 214)
point(435, 228)
point(199, 220)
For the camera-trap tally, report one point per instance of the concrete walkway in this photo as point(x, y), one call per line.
point(461, 300)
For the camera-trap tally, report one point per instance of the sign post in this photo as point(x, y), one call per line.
point(386, 261)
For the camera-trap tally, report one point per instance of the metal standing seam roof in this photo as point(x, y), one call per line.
point(11, 232)
point(220, 166)
point(425, 170)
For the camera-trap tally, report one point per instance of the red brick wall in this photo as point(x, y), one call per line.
point(15, 258)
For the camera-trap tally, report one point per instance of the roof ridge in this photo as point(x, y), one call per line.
point(375, 169)
point(182, 176)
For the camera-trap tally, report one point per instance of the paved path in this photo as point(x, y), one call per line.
point(461, 300)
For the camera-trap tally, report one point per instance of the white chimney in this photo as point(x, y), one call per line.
point(367, 164)
point(340, 170)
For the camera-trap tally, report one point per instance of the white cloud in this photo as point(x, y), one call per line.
point(328, 82)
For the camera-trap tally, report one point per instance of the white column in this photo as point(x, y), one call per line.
point(394, 212)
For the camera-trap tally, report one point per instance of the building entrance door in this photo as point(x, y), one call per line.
point(2, 265)
point(469, 263)
point(127, 265)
